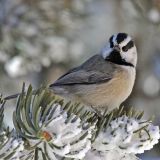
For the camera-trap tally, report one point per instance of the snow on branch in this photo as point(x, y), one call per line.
point(48, 128)
point(46, 125)
point(125, 137)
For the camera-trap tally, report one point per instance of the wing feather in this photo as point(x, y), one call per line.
point(93, 71)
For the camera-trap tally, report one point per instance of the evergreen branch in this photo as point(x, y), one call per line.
point(47, 127)
point(37, 119)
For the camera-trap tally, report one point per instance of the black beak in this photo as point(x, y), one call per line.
point(116, 48)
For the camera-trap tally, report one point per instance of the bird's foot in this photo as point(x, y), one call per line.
point(96, 111)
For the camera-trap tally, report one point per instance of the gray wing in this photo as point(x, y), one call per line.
point(94, 70)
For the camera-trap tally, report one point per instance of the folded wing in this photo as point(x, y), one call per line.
point(93, 71)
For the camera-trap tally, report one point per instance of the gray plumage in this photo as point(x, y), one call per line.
point(93, 71)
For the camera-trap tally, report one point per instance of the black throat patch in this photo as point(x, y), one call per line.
point(116, 58)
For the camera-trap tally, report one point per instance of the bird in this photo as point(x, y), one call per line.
point(106, 79)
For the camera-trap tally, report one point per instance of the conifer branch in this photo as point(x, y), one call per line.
point(48, 128)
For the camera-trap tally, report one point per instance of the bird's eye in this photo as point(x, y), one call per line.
point(125, 49)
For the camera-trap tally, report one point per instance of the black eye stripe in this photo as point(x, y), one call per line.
point(111, 42)
point(129, 45)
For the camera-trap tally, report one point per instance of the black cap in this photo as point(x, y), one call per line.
point(121, 37)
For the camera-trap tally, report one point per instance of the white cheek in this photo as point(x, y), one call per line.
point(127, 55)
point(130, 56)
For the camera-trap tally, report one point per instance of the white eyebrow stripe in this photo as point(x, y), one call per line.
point(114, 39)
point(125, 42)
point(106, 51)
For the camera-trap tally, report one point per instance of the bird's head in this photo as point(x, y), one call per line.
point(120, 50)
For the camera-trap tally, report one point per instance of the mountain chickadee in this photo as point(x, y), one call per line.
point(104, 80)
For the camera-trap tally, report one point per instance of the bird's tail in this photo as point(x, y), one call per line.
point(13, 96)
